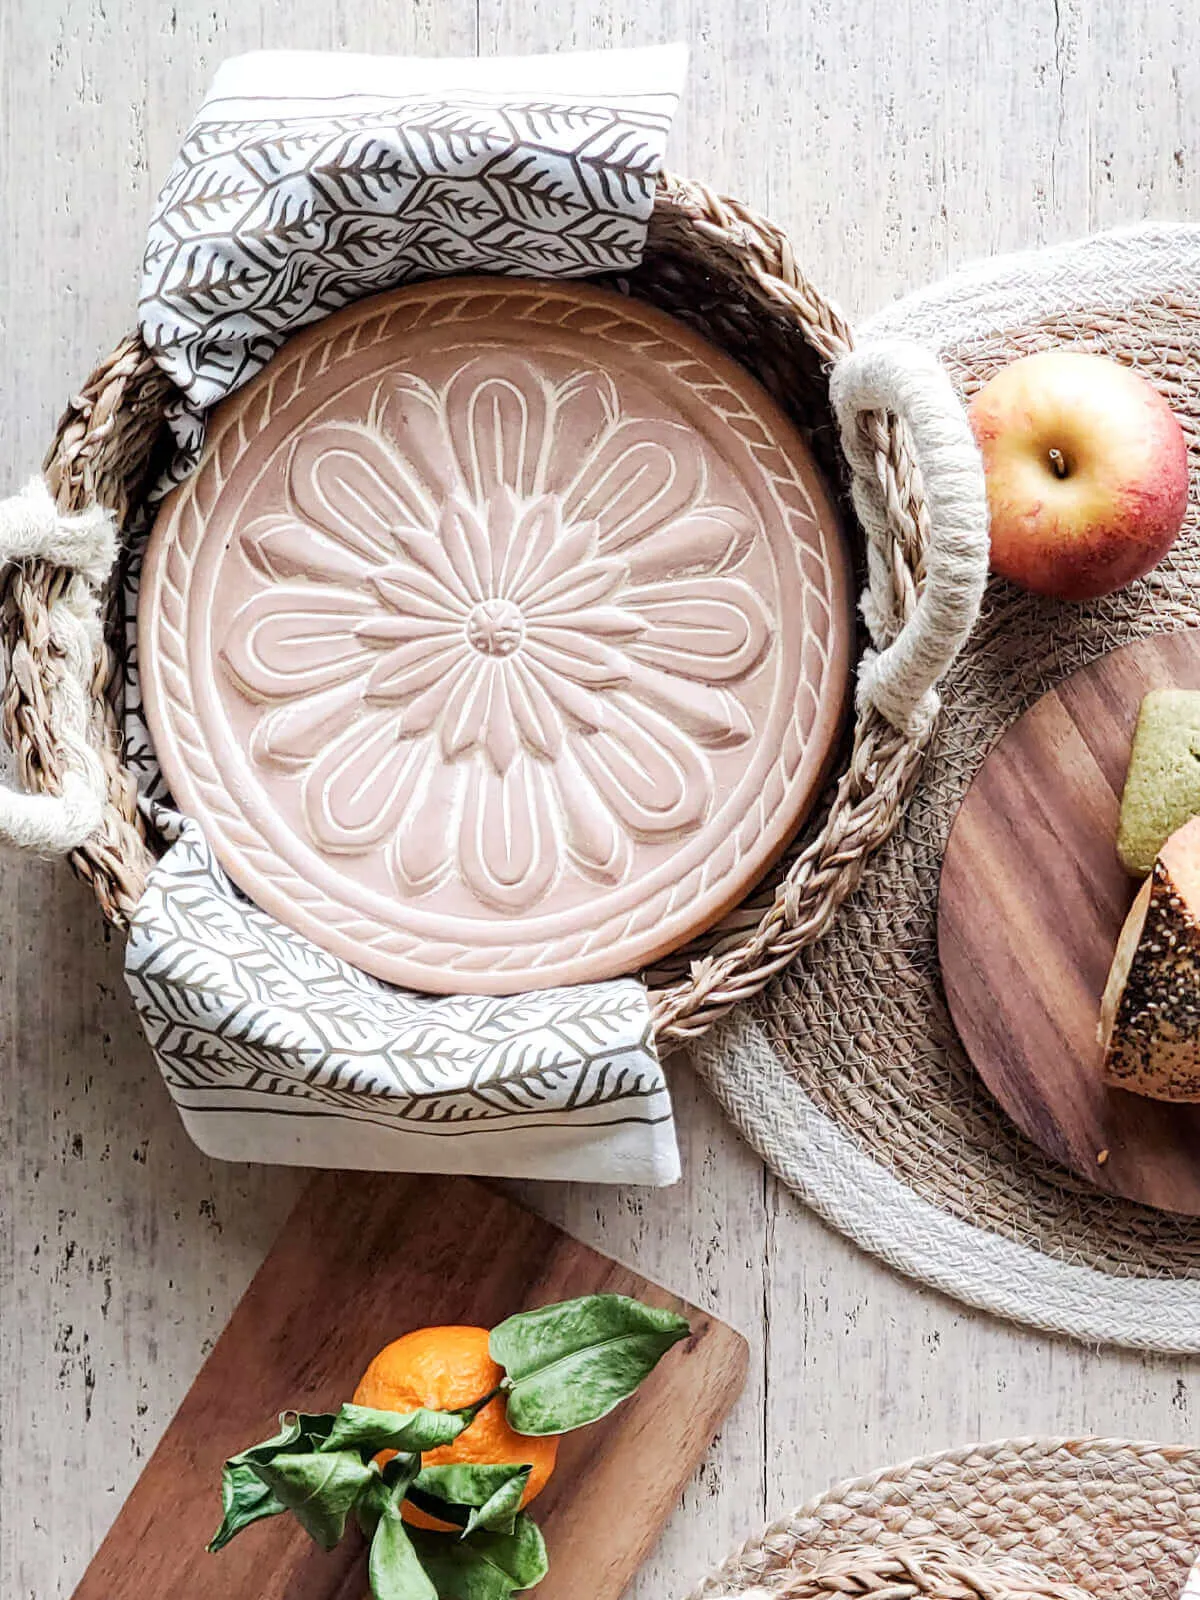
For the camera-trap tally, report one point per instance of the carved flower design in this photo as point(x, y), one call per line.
point(502, 629)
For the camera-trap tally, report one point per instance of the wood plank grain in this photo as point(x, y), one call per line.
point(362, 1260)
point(1032, 900)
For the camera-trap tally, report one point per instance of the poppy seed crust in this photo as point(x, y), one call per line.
point(1153, 1047)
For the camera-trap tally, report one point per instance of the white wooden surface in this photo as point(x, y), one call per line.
point(895, 138)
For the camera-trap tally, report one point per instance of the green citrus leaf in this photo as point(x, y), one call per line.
point(245, 1498)
point(483, 1566)
point(362, 1428)
point(394, 1569)
point(299, 1432)
point(371, 1505)
point(311, 1426)
point(386, 1491)
point(320, 1490)
point(570, 1364)
point(472, 1496)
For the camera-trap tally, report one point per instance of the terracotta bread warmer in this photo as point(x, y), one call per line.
point(732, 276)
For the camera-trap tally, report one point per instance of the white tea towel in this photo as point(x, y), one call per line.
point(275, 1051)
point(306, 182)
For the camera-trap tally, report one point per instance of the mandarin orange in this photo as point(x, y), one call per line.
point(446, 1369)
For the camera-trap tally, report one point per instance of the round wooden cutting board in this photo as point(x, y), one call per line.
point(1032, 899)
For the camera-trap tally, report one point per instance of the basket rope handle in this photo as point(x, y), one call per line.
point(84, 546)
point(899, 676)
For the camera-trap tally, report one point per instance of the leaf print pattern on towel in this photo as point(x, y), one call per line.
point(259, 1034)
point(500, 629)
point(270, 223)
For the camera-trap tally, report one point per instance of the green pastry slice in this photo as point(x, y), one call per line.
point(1162, 789)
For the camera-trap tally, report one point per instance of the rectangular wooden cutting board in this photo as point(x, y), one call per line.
point(363, 1259)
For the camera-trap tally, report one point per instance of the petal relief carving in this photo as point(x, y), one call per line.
point(463, 721)
point(507, 848)
point(717, 631)
point(582, 707)
point(412, 591)
point(591, 662)
point(538, 721)
point(283, 547)
point(295, 639)
point(644, 474)
point(423, 852)
point(714, 717)
point(650, 775)
point(360, 786)
point(349, 483)
point(497, 417)
point(410, 414)
point(293, 734)
point(501, 632)
point(595, 840)
point(707, 540)
point(404, 671)
point(586, 410)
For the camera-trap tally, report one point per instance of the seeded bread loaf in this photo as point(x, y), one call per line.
point(1150, 1013)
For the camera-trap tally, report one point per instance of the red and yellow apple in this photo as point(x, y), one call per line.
point(1086, 469)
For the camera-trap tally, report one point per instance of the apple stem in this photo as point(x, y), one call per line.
point(1059, 462)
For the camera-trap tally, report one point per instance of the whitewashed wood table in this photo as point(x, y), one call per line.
point(893, 140)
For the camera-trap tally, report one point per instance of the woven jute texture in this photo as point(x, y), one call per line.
point(720, 267)
point(859, 1035)
point(1024, 1517)
point(928, 1568)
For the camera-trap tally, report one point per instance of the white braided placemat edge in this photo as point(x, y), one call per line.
point(863, 1200)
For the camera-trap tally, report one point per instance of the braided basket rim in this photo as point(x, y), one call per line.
point(112, 433)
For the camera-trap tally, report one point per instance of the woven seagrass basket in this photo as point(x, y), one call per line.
point(733, 276)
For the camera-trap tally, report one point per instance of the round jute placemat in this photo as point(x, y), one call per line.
point(1021, 1517)
point(847, 1075)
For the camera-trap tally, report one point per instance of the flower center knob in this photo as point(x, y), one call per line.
point(496, 627)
